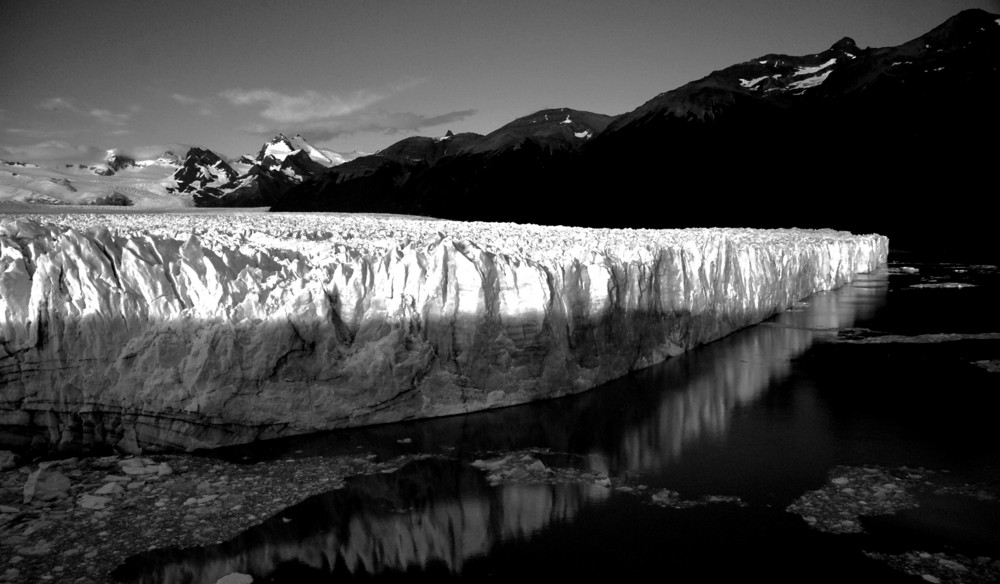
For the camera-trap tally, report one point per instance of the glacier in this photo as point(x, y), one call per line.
point(192, 330)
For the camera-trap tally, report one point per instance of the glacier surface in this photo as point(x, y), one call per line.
point(197, 330)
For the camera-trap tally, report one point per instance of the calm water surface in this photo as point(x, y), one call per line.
point(763, 414)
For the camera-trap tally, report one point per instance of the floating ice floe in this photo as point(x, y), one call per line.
point(940, 567)
point(861, 336)
point(956, 285)
point(991, 365)
point(853, 492)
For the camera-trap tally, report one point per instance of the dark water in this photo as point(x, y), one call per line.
point(763, 414)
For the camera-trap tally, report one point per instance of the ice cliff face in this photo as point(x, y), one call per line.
point(195, 330)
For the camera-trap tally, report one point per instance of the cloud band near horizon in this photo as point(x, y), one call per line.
point(382, 122)
point(323, 116)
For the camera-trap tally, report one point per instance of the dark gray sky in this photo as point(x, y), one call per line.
point(81, 77)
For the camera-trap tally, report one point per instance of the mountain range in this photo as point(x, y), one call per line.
point(279, 164)
point(199, 178)
point(888, 139)
point(876, 139)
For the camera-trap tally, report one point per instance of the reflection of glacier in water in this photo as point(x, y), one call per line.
point(433, 513)
point(721, 376)
point(440, 514)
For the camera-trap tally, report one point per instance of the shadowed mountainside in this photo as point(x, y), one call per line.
point(874, 139)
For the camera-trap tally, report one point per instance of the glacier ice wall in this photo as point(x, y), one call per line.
point(199, 330)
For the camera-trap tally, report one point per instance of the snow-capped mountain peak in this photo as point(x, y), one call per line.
point(167, 158)
point(448, 136)
point(274, 152)
point(314, 153)
point(202, 168)
point(117, 161)
point(277, 148)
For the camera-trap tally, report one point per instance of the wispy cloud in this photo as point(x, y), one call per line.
point(150, 151)
point(304, 107)
point(205, 106)
point(322, 116)
point(35, 133)
point(56, 104)
point(53, 150)
point(109, 117)
point(185, 99)
point(63, 151)
point(375, 121)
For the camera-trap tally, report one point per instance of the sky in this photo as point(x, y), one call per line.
point(78, 78)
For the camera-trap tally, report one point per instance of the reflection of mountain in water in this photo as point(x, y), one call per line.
point(429, 514)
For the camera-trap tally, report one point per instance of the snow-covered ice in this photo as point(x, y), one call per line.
point(749, 83)
point(145, 185)
point(281, 147)
point(810, 81)
point(816, 69)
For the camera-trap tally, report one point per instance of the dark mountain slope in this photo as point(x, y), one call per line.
point(278, 166)
point(202, 169)
point(891, 140)
point(897, 140)
point(552, 129)
point(451, 176)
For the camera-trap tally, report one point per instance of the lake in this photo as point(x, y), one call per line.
point(682, 471)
